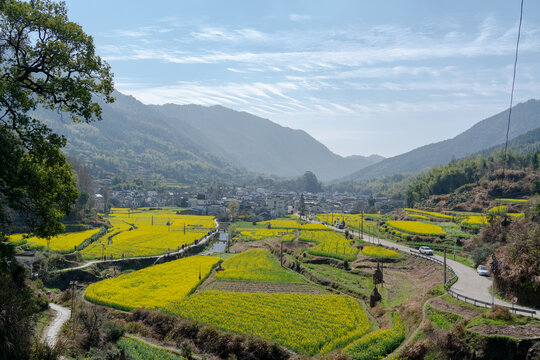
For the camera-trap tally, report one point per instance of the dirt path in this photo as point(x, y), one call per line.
point(51, 332)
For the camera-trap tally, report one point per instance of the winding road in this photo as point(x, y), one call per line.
point(51, 332)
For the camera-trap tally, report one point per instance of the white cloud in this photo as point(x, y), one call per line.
point(299, 17)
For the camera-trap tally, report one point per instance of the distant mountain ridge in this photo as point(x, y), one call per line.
point(258, 144)
point(196, 143)
point(485, 134)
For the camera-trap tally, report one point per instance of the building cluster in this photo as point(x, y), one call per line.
point(258, 203)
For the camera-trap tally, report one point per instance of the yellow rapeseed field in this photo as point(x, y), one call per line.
point(256, 265)
point(430, 213)
point(301, 322)
point(143, 233)
point(154, 286)
point(329, 243)
point(379, 252)
point(63, 242)
point(416, 227)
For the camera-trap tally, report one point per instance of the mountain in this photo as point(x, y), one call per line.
point(189, 143)
point(133, 140)
point(258, 144)
point(485, 134)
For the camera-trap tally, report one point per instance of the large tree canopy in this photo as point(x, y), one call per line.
point(48, 61)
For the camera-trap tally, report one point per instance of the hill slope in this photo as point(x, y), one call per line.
point(258, 144)
point(192, 143)
point(485, 134)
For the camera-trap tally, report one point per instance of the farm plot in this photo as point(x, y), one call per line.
point(62, 243)
point(256, 234)
point(379, 252)
point(256, 265)
point(430, 214)
point(145, 233)
point(329, 244)
point(304, 323)
point(138, 350)
point(416, 228)
point(155, 286)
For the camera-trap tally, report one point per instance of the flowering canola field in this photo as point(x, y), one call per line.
point(154, 286)
point(301, 322)
point(431, 214)
point(415, 227)
point(62, 243)
point(329, 243)
point(379, 252)
point(144, 233)
point(291, 224)
point(256, 265)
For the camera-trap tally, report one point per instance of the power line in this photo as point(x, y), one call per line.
point(513, 83)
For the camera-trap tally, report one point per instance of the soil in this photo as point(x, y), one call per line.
point(245, 286)
point(513, 331)
point(444, 305)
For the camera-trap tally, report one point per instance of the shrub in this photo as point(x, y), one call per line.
point(113, 331)
point(499, 312)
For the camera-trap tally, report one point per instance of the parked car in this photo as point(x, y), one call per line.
point(482, 270)
point(425, 250)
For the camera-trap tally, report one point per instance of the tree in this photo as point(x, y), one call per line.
point(45, 61)
point(302, 205)
point(233, 209)
point(310, 182)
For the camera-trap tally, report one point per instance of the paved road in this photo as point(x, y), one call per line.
point(52, 331)
point(469, 283)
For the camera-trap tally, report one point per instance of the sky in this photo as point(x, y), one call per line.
point(362, 77)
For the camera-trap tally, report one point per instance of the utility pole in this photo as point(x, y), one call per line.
point(281, 253)
point(444, 266)
point(362, 231)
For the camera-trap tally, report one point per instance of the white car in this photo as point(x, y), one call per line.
point(425, 250)
point(482, 270)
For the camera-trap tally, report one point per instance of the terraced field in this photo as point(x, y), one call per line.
point(62, 243)
point(329, 243)
point(144, 233)
point(304, 323)
point(153, 287)
point(256, 265)
point(416, 228)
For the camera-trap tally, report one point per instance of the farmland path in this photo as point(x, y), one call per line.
point(157, 257)
point(52, 331)
point(469, 283)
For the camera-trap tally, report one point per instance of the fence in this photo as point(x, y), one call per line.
point(466, 298)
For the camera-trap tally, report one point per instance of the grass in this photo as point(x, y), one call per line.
point(256, 265)
point(443, 319)
point(139, 350)
point(459, 258)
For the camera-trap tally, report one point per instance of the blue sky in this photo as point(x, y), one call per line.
point(361, 77)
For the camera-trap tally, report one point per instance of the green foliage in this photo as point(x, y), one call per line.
point(446, 179)
point(50, 62)
point(444, 320)
point(138, 350)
